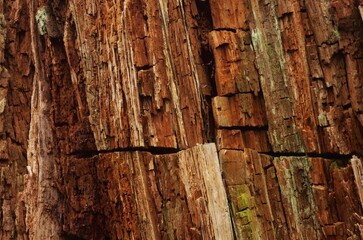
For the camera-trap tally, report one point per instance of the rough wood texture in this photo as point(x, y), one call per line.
point(178, 196)
point(181, 119)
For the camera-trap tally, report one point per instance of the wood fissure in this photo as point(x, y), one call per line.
point(181, 119)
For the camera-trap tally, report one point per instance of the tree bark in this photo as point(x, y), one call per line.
point(181, 119)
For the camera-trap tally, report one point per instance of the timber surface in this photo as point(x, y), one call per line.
point(181, 119)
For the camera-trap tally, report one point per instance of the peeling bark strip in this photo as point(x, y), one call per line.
point(358, 176)
point(181, 119)
point(200, 173)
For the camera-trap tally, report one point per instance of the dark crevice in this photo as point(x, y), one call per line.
point(347, 106)
point(205, 15)
point(145, 67)
point(161, 151)
point(328, 43)
point(284, 154)
point(70, 236)
point(61, 124)
point(286, 15)
point(209, 65)
point(4, 162)
point(152, 150)
point(209, 122)
point(226, 29)
point(246, 128)
point(208, 88)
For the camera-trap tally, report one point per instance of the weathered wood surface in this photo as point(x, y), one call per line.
point(171, 119)
point(148, 196)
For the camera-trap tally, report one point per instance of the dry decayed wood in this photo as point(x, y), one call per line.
point(181, 119)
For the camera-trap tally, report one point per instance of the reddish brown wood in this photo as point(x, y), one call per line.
point(171, 119)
